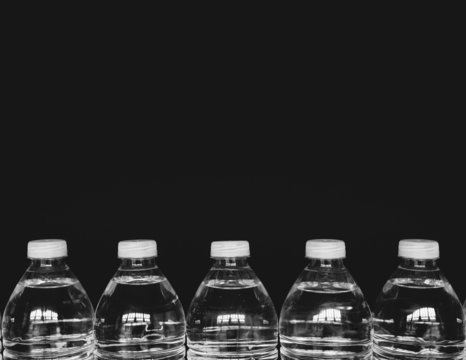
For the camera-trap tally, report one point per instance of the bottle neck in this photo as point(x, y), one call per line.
point(138, 264)
point(231, 262)
point(326, 271)
point(327, 263)
point(58, 263)
point(416, 264)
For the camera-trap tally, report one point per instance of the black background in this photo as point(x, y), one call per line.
point(284, 77)
point(277, 214)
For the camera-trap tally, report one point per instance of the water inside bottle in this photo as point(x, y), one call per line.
point(51, 319)
point(325, 320)
point(140, 318)
point(232, 319)
point(418, 319)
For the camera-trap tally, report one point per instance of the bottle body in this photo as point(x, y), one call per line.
point(139, 315)
point(418, 315)
point(49, 315)
point(231, 315)
point(325, 315)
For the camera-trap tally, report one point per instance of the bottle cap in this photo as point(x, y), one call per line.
point(137, 249)
point(325, 249)
point(418, 249)
point(236, 248)
point(47, 249)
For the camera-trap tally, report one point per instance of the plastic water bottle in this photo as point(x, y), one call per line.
point(325, 315)
point(418, 315)
point(49, 315)
point(139, 316)
point(231, 315)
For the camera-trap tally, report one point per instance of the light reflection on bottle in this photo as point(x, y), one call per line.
point(135, 318)
point(226, 319)
point(327, 315)
point(424, 315)
point(40, 315)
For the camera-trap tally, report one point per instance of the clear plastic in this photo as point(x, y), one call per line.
point(139, 316)
point(49, 315)
point(418, 315)
point(325, 315)
point(231, 315)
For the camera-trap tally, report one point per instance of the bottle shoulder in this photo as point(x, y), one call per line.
point(148, 290)
point(235, 290)
point(231, 277)
point(321, 294)
point(41, 299)
point(409, 291)
point(133, 277)
point(340, 278)
point(318, 288)
point(417, 280)
point(247, 301)
point(48, 278)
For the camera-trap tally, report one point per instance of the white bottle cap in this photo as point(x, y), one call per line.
point(137, 249)
point(418, 249)
point(236, 248)
point(47, 249)
point(325, 249)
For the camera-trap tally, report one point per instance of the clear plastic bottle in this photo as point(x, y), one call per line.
point(1, 340)
point(139, 316)
point(49, 315)
point(325, 314)
point(418, 315)
point(464, 312)
point(231, 315)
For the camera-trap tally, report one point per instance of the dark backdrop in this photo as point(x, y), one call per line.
point(277, 214)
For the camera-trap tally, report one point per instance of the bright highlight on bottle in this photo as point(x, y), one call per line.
point(232, 317)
